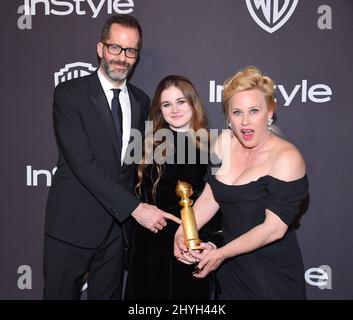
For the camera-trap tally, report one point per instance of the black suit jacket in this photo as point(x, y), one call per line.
point(90, 188)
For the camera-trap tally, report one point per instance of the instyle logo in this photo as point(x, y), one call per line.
point(304, 90)
point(41, 177)
point(320, 277)
point(72, 71)
point(93, 8)
point(269, 14)
point(79, 7)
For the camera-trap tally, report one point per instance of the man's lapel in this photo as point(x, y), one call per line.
point(135, 108)
point(102, 107)
point(135, 117)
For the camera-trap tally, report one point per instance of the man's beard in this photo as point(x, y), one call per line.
point(115, 75)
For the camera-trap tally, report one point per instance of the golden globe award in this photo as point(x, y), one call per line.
point(191, 236)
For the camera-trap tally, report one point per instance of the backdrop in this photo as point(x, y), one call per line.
point(305, 46)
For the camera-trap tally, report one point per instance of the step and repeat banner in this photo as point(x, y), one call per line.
point(304, 45)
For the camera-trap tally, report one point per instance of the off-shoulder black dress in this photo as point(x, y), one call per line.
point(271, 272)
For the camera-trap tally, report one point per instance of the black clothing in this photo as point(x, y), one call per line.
point(154, 272)
point(271, 272)
point(91, 195)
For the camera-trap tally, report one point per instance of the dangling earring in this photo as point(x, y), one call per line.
point(269, 123)
point(229, 125)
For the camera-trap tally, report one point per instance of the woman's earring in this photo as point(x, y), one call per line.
point(229, 125)
point(269, 123)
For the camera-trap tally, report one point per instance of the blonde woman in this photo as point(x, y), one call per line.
point(259, 188)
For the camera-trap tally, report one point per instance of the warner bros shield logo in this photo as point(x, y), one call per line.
point(271, 15)
point(72, 71)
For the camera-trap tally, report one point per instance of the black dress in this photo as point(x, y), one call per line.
point(271, 272)
point(154, 273)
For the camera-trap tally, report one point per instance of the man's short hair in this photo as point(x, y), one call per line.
point(124, 20)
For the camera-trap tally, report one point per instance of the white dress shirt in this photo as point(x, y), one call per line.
point(125, 108)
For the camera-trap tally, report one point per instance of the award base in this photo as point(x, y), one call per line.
point(193, 244)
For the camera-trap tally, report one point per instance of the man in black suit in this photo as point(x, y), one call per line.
point(91, 198)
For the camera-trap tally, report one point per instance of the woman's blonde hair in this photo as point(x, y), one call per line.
point(247, 79)
point(198, 121)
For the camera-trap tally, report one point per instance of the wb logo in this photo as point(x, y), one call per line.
point(272, 16)
point(72, 71)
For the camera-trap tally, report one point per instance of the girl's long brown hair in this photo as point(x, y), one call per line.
point(198, 121)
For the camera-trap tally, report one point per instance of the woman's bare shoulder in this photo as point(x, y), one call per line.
point(288, 162)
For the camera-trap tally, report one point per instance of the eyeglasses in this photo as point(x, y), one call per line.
point(115, 50)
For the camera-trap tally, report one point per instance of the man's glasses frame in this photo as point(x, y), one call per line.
point(115, 50)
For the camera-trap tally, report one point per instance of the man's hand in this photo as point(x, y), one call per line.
point(152, 218)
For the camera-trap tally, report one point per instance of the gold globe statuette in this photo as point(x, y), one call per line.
point(191, 236)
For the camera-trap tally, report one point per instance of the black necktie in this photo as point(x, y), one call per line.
point(117, 115)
